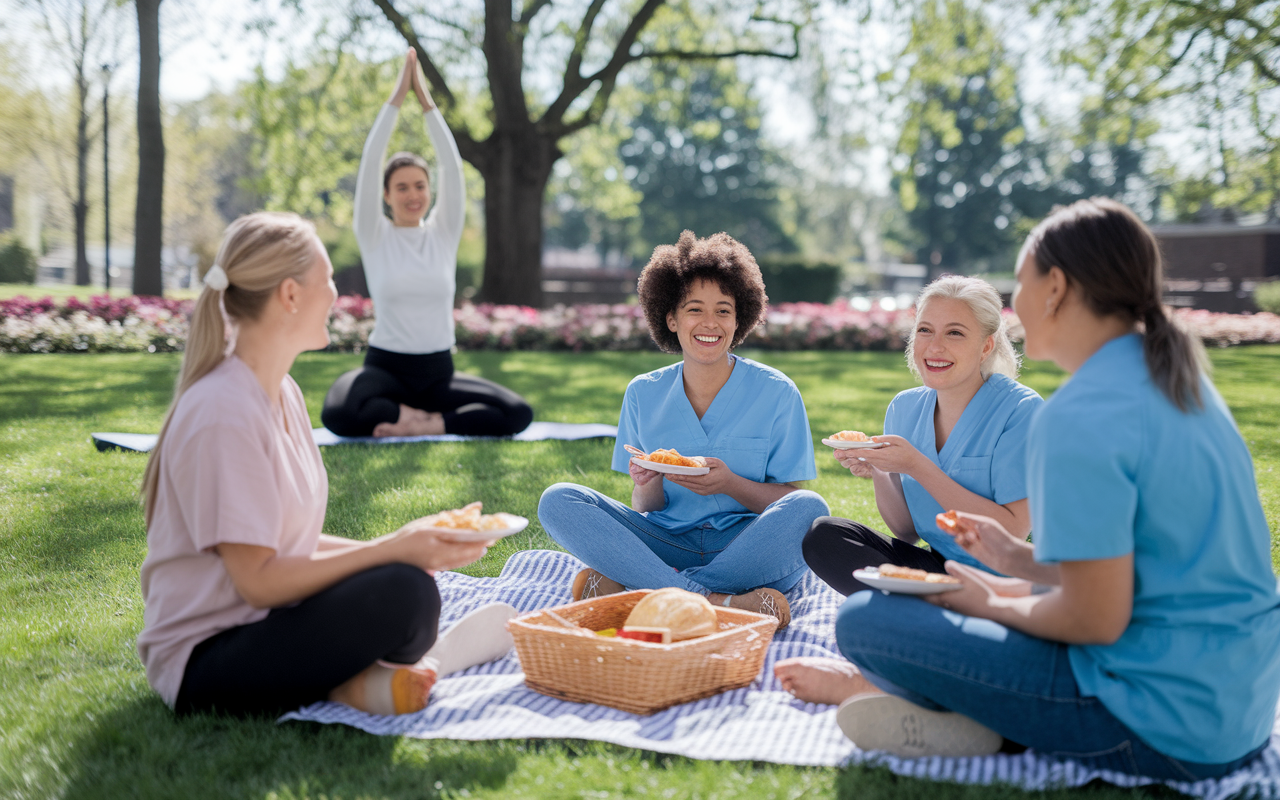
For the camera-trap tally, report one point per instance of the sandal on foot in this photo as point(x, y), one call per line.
point(889, 723)
point(589, 583)
point(762, 601)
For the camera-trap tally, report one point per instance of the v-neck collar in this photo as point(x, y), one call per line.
point(701, 429)
point(961, 429)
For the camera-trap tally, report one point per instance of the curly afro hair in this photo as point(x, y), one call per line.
point(666, 280)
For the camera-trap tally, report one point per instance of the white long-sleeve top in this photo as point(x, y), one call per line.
point(411, 272)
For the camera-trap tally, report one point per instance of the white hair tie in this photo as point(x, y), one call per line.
point(216, 278)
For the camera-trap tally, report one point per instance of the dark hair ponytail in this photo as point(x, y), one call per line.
point(1114, 260)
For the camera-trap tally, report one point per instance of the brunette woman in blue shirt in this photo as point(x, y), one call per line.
point(1157, 650)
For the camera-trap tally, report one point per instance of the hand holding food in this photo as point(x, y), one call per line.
point(853, 461)
point(898, 456)
point(420, 543)
point(719, 479)
point(984, 539)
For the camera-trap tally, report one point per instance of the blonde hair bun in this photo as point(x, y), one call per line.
point(686, 614)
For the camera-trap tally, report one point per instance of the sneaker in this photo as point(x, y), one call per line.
point(902, 728)
point(589, 583)
point(763, 601)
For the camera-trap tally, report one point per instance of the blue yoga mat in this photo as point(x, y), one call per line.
point(537, 431)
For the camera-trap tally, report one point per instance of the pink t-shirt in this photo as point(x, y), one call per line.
point(230, 472)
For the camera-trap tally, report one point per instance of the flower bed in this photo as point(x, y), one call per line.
point(153, 324)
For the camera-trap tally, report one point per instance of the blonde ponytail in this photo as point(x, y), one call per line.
point(257, 253)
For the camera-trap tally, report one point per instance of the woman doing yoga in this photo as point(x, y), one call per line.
point(1157, 650)
point(249, 608)
point(407, 386)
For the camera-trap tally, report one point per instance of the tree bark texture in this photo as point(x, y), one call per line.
point(149, 214)
point(515, 170)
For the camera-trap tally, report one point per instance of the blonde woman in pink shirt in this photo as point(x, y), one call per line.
point(249, 608)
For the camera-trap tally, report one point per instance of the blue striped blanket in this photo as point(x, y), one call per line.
point(758, 723)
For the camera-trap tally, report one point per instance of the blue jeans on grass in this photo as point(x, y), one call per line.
point(1020, 686)
point(622, 544)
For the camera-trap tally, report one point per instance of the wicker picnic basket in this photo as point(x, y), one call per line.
point(563, 657)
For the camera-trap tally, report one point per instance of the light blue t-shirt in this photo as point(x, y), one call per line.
point(756, 425)
point(1113, 468)
point(985, 452)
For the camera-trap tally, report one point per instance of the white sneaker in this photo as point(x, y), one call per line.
point(902, 728)
point(479, 637)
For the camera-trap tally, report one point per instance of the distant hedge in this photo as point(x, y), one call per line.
point(1267, 297)
point(17, 263)
point(792, 279)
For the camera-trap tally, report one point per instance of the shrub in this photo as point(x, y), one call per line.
point(17, 263)
point(1267, 297)
point(791, 279)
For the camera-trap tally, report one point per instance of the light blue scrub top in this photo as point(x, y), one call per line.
point(756, 425)
point(1115, 468)
point(985, 452)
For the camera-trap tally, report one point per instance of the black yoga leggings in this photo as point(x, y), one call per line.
point(834, 548)
point(361, 399)
point(297, 655)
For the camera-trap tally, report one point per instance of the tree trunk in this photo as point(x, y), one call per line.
point(516, 168)
point(149, 215)
point(81, 206)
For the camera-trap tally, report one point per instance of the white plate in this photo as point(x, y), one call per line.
point(872, 577)
point(670, 469)
point(841, 444)
point(515, 524)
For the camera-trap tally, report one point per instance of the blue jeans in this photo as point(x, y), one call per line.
point(624, 545)
point(1019, 686)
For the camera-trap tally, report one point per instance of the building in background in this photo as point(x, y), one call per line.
point(1217, 267)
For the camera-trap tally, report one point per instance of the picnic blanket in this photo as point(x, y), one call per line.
point(537, 431)
point(758, 723)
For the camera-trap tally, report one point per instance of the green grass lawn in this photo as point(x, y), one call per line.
point(77, 718)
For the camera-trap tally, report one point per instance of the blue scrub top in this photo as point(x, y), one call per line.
point(985, 452)
point(756, 425)
point(1115, 468)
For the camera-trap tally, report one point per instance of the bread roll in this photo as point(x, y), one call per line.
point(686, 614)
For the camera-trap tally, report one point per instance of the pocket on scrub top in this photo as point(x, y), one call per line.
point(747, 456)
point(973, 473)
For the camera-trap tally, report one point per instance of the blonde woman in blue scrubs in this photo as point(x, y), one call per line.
point(733, 534)
point(958, 441)
point(1157, 650)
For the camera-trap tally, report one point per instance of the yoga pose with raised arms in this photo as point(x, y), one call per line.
point(407, 386)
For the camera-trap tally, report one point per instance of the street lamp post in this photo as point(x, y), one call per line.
point(106, 184)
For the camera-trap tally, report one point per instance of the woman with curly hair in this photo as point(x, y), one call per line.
point(734, 533)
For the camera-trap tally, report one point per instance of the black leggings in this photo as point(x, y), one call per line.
point(361, 399)
point(297, 655)
point(834, 548)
